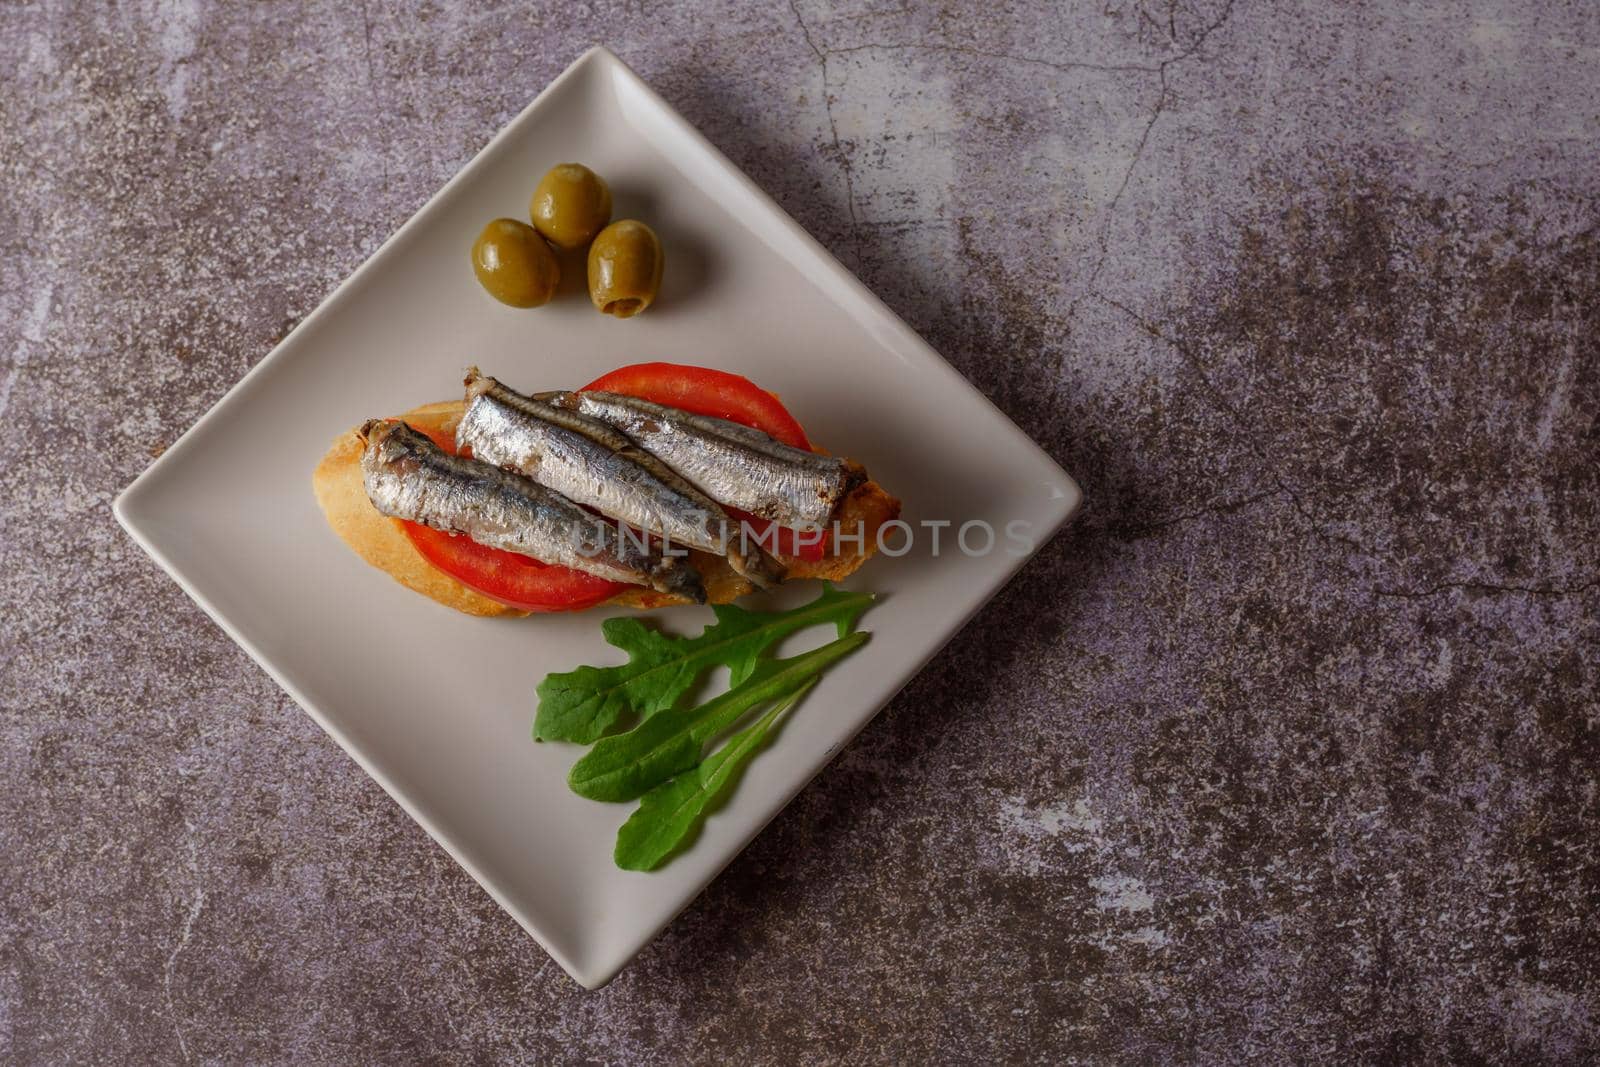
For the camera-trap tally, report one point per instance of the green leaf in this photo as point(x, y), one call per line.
point(582, 705)
point(670, 816)
point(625, 766)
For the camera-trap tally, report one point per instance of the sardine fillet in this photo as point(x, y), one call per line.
point(596, 465)
point(735, 465)
point(408, 477)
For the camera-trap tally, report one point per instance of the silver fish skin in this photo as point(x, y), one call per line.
point(594, 464)
point(735, 465)
point(407, 476)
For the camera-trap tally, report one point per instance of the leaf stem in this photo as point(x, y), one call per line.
point(625, 766)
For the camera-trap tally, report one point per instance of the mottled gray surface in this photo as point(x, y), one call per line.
point(1291, 747)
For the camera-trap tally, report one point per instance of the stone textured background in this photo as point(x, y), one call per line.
point(1297, 753)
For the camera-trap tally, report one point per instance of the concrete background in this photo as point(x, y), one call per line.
point(1289, 749)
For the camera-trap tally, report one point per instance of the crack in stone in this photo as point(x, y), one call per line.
point(1127, 177)
point(185, 932)
point(1136, 531)
point(1066, 66)
point(1222, 403)
point(1489, 587)
point(372, 86)
point(845, 167)
point(1160, 71)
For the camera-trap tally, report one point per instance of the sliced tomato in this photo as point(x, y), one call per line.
point(445, 439)
point(724, 396)
point(512, 579)
point(809, 545)
point(515, 580)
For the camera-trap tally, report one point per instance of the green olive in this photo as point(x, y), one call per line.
point(514, 264)
point(571, 205)
point(624, 268)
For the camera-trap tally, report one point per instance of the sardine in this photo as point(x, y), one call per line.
point(409, 477)
point(596, 465)
point(735, 465)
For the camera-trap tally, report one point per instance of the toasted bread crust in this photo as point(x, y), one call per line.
point(380, 540)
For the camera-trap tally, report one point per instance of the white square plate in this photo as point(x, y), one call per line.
point(437, 706)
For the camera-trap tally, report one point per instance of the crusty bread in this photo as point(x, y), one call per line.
point(380, 540)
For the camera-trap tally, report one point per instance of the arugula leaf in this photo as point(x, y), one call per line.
point(670, 815)
point(582, 705)
point(625, 766)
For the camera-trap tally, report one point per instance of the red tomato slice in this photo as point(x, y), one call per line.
point(809, 545)
point(724, 396)
point(525, 583)
point(512, 579)
point(515, 580)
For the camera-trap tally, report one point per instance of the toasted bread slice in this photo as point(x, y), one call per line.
point(381, 541)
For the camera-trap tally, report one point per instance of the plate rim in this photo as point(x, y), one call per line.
point(125, 505)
